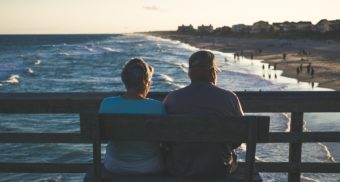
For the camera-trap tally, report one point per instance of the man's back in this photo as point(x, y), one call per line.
point(201, 159)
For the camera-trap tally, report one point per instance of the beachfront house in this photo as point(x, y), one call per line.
point(335, 25)
point(288, 26)
point(285, 26)
point(322, 26)
point(186, 29)
point(277, 27)
point(240, 28)
point(304, 26)
point(203, 29)
point(222, 30)
point(261, 26)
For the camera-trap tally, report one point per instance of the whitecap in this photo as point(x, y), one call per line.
point(37, 62)
point(166, 77)
point(305, 178)
point(110, 49)
point(13, 79)
point(64, 54)
point(29, 71)
point(89, 49)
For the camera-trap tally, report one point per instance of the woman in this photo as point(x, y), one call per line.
point(133, 157)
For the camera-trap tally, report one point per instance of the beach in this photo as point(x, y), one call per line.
point(321, 56)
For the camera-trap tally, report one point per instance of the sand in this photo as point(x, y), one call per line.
point(323, 56)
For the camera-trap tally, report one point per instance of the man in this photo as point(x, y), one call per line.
point(202, 97)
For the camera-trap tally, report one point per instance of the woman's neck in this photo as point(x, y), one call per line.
point(133, 94)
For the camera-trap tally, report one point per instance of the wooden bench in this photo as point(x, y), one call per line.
point(179, 128)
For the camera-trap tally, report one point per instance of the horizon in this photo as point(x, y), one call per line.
point(40, 17)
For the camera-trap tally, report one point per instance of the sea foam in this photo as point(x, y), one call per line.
point(13, 79)
point(37, 62)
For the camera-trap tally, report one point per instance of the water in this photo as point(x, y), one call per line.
point(92, 63)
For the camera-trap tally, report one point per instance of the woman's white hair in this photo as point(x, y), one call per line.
point(136, 74)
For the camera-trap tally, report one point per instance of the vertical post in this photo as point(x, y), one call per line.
point(251, 150)
point(295, 149)
point(97, 151)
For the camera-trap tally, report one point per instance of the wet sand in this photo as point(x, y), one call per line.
point(323, 56)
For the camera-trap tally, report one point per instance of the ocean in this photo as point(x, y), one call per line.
point(92, 63)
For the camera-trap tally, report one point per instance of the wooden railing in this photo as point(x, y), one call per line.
point(84, 104)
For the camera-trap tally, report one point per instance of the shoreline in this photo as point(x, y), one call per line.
point(323, 56)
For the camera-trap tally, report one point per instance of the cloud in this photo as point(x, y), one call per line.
point(151, 8)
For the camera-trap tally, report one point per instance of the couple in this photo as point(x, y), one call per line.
point(187, 160)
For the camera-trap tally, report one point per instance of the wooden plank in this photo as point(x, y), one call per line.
point(44, 167)
point(42, 138)
point(251, 150)
point(315, 167)
point(87, 124)
point(178, 128)
point(282, 101)
point(275, 137)
point(295, 149)
point(303, 137)
point(83, 167)
point(238, 176)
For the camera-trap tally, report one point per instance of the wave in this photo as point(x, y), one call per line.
point(329, 155)
point(13, 79)
point(108, 49)
point(305, 178)
point(37, 62)
point(88, 49)
point(29, 71)
point(64, 54)
point(164, 77)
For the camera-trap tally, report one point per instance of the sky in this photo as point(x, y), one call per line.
point(126, 16)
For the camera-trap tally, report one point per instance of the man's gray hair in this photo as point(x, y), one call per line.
point(136, 73)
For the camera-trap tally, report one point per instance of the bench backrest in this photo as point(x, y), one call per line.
point(181, 128)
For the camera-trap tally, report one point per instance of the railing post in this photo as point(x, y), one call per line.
point(296, 125)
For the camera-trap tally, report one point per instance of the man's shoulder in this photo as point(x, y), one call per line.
point(226, 91)
point(179, 92)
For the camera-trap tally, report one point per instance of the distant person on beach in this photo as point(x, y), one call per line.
point(133, 157)
point(309, 67)
point(284, 56)
point(312, 72)
point(202, 97)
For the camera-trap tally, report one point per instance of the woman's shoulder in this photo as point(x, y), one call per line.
point(111, 99)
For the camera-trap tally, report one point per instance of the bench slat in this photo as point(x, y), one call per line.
point(44, 167)
point(181, 128)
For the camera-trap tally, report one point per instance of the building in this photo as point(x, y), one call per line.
point(335, 25)
point(261, 26)
point(222, 30)
point(322, 26)
point(277, 27)
point(240, 28)
point(304, 26)
point(283, 27)
point(205, 29)
point(186, 29)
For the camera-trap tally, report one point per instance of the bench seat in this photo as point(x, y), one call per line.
point(238, 176)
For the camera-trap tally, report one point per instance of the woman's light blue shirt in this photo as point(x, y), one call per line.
point(132, 157)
